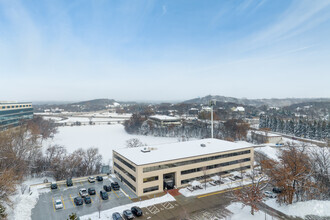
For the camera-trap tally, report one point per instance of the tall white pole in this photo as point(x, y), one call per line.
point(212, 120)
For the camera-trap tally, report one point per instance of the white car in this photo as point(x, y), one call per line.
point(91, 179)
point(58, 204)
point(83, 192)
point(269, 194)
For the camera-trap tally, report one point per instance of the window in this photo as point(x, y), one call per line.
point(150, 179)
point(150, 189)
point(165, 166)
point(125, 181)
point(124, 171)
point(125, 162)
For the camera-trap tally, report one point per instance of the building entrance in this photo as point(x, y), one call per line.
point(169, 181)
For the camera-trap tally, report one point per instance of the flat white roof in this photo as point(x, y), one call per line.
point(179, 150)
point(268, 134)
point(164, 117)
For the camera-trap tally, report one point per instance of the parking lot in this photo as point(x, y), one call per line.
point(45, 207)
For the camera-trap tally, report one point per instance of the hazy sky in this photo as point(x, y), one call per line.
point(163, 50)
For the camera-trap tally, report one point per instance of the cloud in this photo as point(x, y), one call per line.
point(164, 9)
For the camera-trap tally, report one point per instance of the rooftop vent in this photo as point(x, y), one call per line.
point(203, 145)
point(145, 150)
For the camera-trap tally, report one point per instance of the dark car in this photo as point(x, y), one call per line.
point(69, 182)
point(277, 190)
point(136, 211)
point(107, 188)
point(128, 214)
point(91, 191)
point(53, 186)
point(99, 178)
point(116, 216)
point(115, 186)
point(78, 201)
point(104, 195)
point(88, 200)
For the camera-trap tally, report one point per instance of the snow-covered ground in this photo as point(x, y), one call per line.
point(24, 203)
point(104, 137)
point(244, 213)
point(301, 209)
point(271, 152)
point(107, 214)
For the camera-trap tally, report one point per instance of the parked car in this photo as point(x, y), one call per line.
point(69, 182)
point(128, 214)
point(116, 216)
point(78, 201)
point(58, 204)
point(99, 178)
point(277, 190)
point(137, 211)
point(269, 194)
point(115, 186)
point(91, 191)
point(91, 179)
point(83, 192)
point(88, 200)
point(107, 188)
point(104, 195)
point(53, 185)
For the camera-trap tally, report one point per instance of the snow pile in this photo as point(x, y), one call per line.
point(240, 213)
point(268, 151)
point(107, 214)
point(300, 209)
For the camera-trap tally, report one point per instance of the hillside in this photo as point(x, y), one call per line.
point(256, 102)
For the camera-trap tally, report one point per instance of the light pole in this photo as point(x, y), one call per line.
point(212, 103)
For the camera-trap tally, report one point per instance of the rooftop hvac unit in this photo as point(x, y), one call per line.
point(203, 145)
point(146, 150)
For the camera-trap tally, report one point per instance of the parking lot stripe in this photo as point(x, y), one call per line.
point(63, 202)
point(99, 196)
point(81, 183)
point(125, 193)
point(72, 201)
point(116, 194)
point(53, 204)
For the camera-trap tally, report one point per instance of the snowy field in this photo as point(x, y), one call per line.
point(104, 137)
point(241, 212)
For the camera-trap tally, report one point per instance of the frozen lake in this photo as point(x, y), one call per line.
point(104, 137)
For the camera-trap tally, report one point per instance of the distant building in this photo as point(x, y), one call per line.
point(149, 170)
point(193, 111)
point(266, 137)
point(12, 113)
point(238, 109)
point(165, 120)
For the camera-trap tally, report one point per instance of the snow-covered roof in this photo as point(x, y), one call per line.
point(179, 150)
point(267, 133)
point(164, 117)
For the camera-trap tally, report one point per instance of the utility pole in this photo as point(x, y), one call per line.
point(212, 103)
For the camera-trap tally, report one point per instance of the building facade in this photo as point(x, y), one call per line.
point(12, 113)
point(266, 137)
point(148, 170)
point(164, 120)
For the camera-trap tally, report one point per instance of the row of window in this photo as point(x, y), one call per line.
point(215, 166)
point(185, 181)
point(125, 181)
point(166, 166)
point(150, 179)
point(150, 189)
point(16, 112)
point(15, 106)
point(124, 171)
point(125, 162)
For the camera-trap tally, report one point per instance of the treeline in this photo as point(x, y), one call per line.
point(234, 129)
point(318, 130)
point(21, 155)
point(300, 173)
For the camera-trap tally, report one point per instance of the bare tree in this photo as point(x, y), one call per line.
point(134, 142)
point(205, 176)
point(251, 194)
